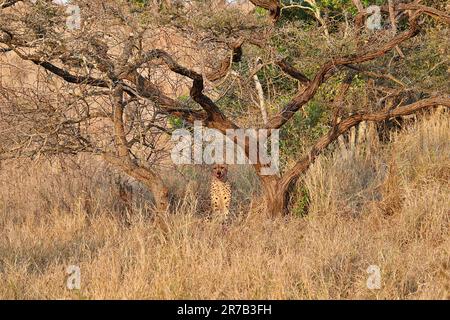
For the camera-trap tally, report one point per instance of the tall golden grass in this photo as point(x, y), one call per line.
point(381, 204)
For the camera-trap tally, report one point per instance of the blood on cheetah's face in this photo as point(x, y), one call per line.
point(220, 171)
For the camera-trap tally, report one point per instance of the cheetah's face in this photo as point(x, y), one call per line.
point(220, 171)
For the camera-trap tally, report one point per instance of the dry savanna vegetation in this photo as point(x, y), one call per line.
point(388, 208)
point(88, 105)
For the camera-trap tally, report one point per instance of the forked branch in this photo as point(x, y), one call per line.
point(343, 126)
point(327, 69)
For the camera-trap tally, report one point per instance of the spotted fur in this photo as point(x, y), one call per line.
point(220, 192)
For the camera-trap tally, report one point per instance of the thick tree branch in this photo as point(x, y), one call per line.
point(144, 89)
point(435, 13)
point(8, 3)
point(274, 7)
point(147, 90)
point(216, 119)
point(343, 126)
point(69, 77)
point(293, 72)
point(308, 93)
point(146, 176)
point(225, 64)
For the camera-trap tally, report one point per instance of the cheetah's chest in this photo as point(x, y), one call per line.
point(220, 195)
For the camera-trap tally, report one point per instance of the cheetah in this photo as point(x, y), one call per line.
point(220, 192)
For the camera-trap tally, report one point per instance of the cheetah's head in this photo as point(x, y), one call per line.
point(220, 171)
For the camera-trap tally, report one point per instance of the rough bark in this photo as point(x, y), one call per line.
point(120, 75)
point(150, 179)
point(275, 198)
point(274, 7)
point(123, 161)
point(277, 190)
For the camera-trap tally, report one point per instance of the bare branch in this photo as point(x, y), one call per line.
point(225, 64)
point(422, 8)
point(394, 25)
point(67, 76)
point(293, 72)
point(260, 91)
point(308, 93)
point(343, 126)
point(8, 3)
point(273, 6)
point(216, 118)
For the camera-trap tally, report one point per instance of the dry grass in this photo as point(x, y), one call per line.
point(381, 205)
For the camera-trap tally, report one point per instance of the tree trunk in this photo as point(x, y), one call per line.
point(150, 179)
point(276, 195)
point(122, 160)
point(160, 192)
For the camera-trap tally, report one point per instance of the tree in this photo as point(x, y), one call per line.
point(132, 68)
